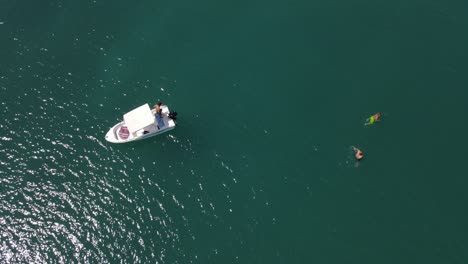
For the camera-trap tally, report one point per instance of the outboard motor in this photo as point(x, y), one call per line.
point(173, 115)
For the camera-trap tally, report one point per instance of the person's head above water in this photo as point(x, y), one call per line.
point(359, 155)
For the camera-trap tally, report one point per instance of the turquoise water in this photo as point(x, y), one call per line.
point(271, 96)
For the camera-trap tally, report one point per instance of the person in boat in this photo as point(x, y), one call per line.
point(375, 118)
point(358, 153)
point(158, 109)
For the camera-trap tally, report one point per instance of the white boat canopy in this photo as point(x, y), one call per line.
point(138, 118)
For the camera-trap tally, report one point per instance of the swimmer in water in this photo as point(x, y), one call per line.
point(375, 118)
point(358, 154)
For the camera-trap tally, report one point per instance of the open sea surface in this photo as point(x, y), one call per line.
point(271, 96)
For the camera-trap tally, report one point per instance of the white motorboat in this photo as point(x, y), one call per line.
point(142, 123)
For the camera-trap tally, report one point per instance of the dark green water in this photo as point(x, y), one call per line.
point(271, 95)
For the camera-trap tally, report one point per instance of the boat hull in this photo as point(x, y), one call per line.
point(113, 136)
point(119, 133)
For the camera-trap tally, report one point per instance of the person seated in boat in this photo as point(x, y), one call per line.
point(158, 109)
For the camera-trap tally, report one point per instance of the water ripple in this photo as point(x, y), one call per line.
point(66, 195)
